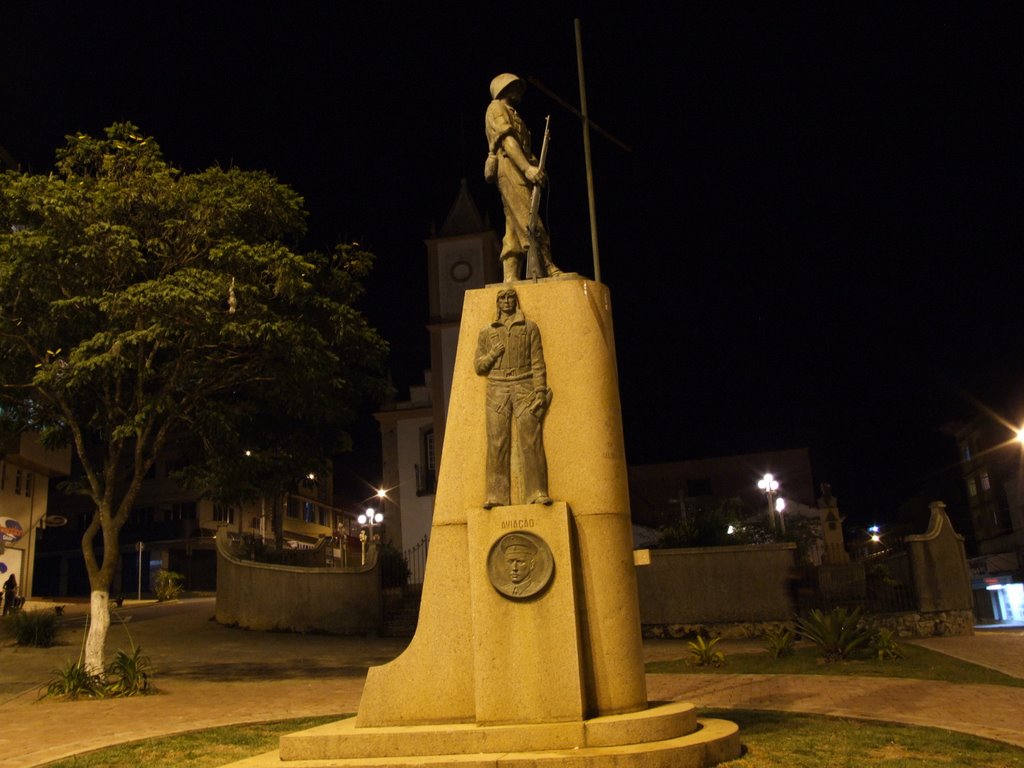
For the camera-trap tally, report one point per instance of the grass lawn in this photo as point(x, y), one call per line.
point(770, 740)
point(783, 740)
point(195, 749)
point(918, 662)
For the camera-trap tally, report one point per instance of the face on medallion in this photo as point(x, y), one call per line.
point(520, 565)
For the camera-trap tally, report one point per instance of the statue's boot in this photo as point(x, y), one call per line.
point(510, 268)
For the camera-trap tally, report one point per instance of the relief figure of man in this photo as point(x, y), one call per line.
point(510, 355)
point(514, 168)
point(520, 560)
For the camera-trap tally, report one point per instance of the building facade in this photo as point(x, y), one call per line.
point(172, 528)
point(991, 465)
point(26, 468)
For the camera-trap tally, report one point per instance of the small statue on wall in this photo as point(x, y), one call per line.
point(510, 355)
point(519, 175)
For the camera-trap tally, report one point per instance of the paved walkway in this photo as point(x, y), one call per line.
point(211, 675)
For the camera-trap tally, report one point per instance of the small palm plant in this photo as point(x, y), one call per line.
point(781, 642)
point(838, 634)
point(129, 674)
point(885, 646)
point(167, 585)
point(73, 681)
point(704, 652)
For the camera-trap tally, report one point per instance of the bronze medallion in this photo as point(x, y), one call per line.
point(520, 565)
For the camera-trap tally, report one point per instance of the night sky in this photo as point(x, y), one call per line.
point(815, 240)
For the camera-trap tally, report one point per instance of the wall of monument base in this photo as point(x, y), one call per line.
point(263, 596)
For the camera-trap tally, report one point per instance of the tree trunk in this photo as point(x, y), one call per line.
point(97, 637)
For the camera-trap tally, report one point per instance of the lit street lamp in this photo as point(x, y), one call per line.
point(769, 485)
point(780, 505)
point(369, 517)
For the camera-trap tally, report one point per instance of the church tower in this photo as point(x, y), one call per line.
point(464, 255)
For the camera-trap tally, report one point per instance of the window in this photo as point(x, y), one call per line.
point(17, 482)
point(3, 474)
point(28, 484)
point(308, 511)
point(324, 516)
point(426, 470)
point(185, 510)
point(223, 513)
point(986, 485)
point(972, 488)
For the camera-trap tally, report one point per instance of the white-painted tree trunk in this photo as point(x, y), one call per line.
point(99, 623)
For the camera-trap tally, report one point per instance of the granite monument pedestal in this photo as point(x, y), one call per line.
point(528, 650)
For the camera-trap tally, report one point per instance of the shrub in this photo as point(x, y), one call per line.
point(780, 642)
point(885, 646)
point(167, 585)
point(838, 634)
point(128, 674)
point(704, 653)
point(73, 682)
point(35, 628)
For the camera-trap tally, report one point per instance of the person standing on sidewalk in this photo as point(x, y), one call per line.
point(10, 594)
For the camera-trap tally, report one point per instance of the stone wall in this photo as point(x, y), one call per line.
point(939, 566)
point(736, 630)
point(716, 585)
point(262, 596)
point(927, 623)
point(742, 592)
point(908, 624)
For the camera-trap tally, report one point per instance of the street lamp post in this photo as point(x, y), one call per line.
point(780, 506)
point(382, 497)
point(769, 485)
point(368, 518)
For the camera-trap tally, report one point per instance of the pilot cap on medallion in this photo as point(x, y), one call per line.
point(516, 544)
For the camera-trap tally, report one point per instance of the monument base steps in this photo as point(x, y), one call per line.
point(666, 735)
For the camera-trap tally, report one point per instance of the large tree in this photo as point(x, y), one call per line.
point(143, 308)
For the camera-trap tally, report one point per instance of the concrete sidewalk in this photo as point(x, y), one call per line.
point(209, 675)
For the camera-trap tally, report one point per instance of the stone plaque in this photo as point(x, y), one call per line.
point(520, 565)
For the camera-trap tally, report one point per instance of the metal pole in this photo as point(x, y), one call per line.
point(586, 153)
point(138, 546)
point(28, 572)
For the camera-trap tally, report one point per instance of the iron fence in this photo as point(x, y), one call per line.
point(416, 559)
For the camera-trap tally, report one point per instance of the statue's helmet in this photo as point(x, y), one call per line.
point(503, 81)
